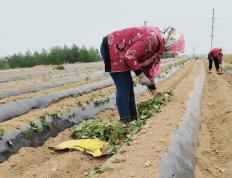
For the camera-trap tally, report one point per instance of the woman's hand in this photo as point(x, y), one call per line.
point(143, 80)
point(155, 92)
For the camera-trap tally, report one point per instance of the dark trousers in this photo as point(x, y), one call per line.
point(216, 63)
point(125, 98)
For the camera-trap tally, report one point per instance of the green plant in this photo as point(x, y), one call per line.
point(167, 68)
point(59, 67)
point(1, 132)
point(33, 128)
point(45, 122)
point(228, 68)
point(148, 108)
point(56, 115)
point(79, 103)
point(87, 78)
point(100, 100)
point(98, 170)
point(116, 160)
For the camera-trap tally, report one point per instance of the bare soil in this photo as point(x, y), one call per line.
point(214, 155)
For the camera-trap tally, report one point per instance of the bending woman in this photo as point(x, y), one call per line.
point(138, 49)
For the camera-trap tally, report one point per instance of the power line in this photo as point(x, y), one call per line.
point(212, 28)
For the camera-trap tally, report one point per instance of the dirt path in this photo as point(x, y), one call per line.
point(214, 155)
point(43, 163)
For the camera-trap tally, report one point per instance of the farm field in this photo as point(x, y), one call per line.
point(228, 58)
point(42, 106)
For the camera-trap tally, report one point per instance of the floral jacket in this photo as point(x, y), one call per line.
point(130, 48)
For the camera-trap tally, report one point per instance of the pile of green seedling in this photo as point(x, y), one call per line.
point(116, 133)
point(147, 108)
point(112, 132)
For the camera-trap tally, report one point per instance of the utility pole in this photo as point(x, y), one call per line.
point(212, 35)
point(145, 23)
point(194, 51)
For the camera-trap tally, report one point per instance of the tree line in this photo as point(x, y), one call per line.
point(55, 56)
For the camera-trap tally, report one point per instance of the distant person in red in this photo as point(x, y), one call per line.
point(215, 55)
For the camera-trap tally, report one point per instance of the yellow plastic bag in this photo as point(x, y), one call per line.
point(93, 147)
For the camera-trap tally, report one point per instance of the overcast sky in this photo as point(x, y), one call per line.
point(36, 24)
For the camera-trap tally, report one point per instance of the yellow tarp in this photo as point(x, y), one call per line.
point(94, 147)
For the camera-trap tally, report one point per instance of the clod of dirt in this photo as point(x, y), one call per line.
point(147, 163)
point(162, 140)
point(132, 174)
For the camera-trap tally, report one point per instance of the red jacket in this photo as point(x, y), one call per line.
point(215, 53)
point(130, 47)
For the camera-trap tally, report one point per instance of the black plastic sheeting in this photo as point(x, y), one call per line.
point(17, 108)
point(179, 162)
point(12, 142)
